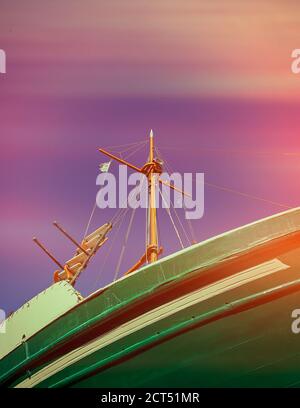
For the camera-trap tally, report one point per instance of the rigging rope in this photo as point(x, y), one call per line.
point(192, 237)
point(129, 145)
point(147, 233)
point(135, 151)
point(90, 220)
point(127, 235)
point(128, 149)
point(119, 217)
point(249, 152)
point(118, 213)
point(107, 254)
point(124, 245)
point(233, 191)
point(171, 218)
point(181, 224)
point(230, 190)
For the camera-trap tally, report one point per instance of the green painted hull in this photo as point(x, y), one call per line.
point(255, 348)
point(215, 314)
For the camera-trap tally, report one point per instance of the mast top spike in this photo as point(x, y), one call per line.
point(151, 133)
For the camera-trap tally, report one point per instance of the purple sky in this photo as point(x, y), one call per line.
point(213, 81)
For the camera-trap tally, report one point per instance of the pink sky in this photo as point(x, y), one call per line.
point(212, 78)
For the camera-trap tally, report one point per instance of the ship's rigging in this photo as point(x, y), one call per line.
point(87, 248)
point(92, 242)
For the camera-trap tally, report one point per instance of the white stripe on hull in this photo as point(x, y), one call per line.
point(154, 316)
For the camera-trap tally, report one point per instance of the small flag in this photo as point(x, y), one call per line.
point(104, 167)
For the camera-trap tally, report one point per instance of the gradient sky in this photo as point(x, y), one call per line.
point(212, 78)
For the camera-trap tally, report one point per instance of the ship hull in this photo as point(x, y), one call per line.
point(216, 314)
point(253, 348)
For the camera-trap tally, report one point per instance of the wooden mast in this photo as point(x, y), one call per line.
point(152, 170)
point(153, 239)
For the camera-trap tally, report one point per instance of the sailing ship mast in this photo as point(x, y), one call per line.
point(152, 169)
point(86, 249)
